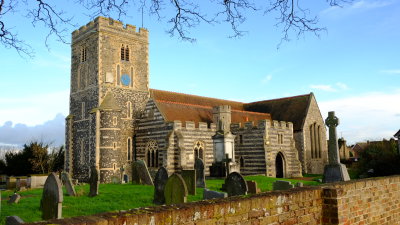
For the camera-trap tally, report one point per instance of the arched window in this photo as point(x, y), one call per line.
point(129, 148)
point(127, 53)
point(128, 110)
point(118, 74)
point(82, 152)
point(315, 141)
point(198, 150)
point(132, 77)
point(78, 79)
point(122, 52)
point(152, 153)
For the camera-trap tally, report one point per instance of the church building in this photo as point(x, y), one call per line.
point(115, 118)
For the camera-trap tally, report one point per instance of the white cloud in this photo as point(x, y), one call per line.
point(266, 79)
point(391, 71)
point(323, 87)
point(34, 109)
point(371, 116)
point(357, 6)
point(342, 86)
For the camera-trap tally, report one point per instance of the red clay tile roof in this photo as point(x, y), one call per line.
point(293, 109)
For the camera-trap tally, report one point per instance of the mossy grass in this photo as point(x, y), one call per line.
point(112, 197)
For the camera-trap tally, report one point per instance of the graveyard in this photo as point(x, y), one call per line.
point(112, 197)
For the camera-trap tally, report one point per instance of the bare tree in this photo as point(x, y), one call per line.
point(180, 15)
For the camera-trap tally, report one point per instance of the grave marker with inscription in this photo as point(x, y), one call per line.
point(140, 173)
point(235, 184)
point(200, 174)
point(159, 186)
point(175, 190)
point(52, 198)
point(189, 176)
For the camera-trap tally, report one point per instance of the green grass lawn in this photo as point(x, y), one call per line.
point(112, 197)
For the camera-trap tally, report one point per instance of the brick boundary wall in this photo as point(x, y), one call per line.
point(367, 201)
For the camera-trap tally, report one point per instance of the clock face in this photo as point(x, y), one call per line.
point(125, 79)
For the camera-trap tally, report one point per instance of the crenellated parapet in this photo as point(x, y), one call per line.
point(190, 125)
point(109, 24)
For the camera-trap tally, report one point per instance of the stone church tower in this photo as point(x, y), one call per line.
point(109, 87)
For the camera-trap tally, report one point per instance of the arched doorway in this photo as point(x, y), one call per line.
point(279, 165)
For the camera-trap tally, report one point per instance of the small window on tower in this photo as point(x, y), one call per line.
point(127, 53)
point(122, 53)
point(83, 54)
point(115, 121)
point(114, 145)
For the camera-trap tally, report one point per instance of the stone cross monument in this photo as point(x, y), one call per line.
point(334, 171)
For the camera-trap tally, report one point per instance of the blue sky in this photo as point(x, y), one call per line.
point(353, 69)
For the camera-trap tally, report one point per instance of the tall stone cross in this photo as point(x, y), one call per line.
point(333, 151)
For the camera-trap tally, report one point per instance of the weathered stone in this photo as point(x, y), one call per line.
point(299, 184)
point(14, 220)
point(252, 187)
point(52, 198)
point(200, 173)
point(66, 179)
point(94, 182)
point(140, 173)
point(208, 194)
point(175, 190)
point(189, 176)
point(282, 185)
point(159, 186)
point(14, 198)
point(335, 171)
point(115, 180)
point(235, 184)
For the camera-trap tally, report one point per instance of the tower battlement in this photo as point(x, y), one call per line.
point(103, 23)
point(190, 125)
point(262, 124)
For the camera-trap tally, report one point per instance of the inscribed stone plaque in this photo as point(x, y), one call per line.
point(252, 186)
point(109, 77)
point(14, 198)
point(189, 176)
point(200, 174)
point(159, 186)
point(140, 173)
point(208, 194)
point(66, 179)
point(94, 182)
point(235, 184)
point(282, 185)
point(175, 190)
point(52, 198)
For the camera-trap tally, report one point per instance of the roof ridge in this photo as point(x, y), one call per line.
point(290, 97)
point(198, 96)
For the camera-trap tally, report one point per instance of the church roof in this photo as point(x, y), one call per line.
point(183, 107)
point(293, 109)
point(109, 102)
point(397, 134)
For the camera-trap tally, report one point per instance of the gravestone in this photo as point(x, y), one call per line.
point(235, 184)
point(14, 199)
point(299, 184)
point(189, 176)
point(208, 194)
point(282, 185)
point(52, 198)
point(14, 220)
point(66, 179)
point(94, 182)
point(175, 190)
point(122, 173)
point(159, 186)
point(252, 187)
point(200, 174)
point(140, 173)
point(115, 180)
point(334, 171)
point(126, 178)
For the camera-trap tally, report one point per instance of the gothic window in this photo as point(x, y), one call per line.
point(122, 53)
point(199, 150)
point(118, 74)
point(127, 53)
point(129, 109)
point(83, 54)
point(315, 141)
point(129, 149)
point(280, 139)
point(83, 110)
point(152, 153)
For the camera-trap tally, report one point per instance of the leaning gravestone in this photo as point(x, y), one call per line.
point(52, 198)
point(200, 175)
point(140, 173)
point(14, 220)
point(159, 186)
point(94, 182)
point(252, 186)
point(235, 184)
point(14, 199)
point(189, 176)
point(282, 185)
point(208, 194)
point(334, 171)
point(175, 190)
point(66, 179)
